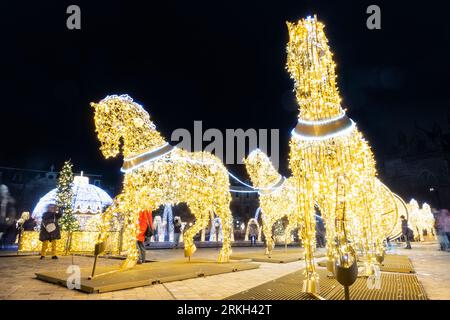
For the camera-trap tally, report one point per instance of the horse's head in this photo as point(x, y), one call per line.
point(108, 125)
point(310, 63)
point(119, 118)
point(262, 172)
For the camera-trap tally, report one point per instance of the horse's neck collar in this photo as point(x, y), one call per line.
point(143, 157)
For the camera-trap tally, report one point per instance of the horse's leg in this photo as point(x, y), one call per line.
point(188, 236)
point(106, 221)
point(267, 229)
point(291, 226)
point(227, 220)
point(100, 245)
point(131, 229)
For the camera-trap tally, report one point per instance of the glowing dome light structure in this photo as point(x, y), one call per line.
point(329, 158)
point(88, 201)
point(156, 174)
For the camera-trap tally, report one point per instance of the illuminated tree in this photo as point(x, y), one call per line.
point(64, 198)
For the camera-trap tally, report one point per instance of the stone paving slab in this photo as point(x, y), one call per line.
point(112, 279)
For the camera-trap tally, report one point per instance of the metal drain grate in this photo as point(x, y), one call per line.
point(397, 263)
point(393, 287)
point(391, 263)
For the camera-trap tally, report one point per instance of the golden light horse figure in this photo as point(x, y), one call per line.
point(329, 157)
point(157, 173)
point(278, 199)
point(276, 196)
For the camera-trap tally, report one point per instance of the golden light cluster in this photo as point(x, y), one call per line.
point(158, 174)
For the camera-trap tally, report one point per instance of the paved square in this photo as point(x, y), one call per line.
point(17, 279)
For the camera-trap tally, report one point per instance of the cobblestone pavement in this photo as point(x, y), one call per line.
point(17, 276)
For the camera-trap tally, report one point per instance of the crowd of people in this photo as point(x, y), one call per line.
point(441, 228)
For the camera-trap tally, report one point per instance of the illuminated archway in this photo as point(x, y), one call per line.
point(250, 222)
point(214, 236)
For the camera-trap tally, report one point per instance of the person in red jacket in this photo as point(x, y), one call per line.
point(145, 222)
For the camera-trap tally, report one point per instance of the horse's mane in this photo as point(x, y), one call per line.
point(138, 131)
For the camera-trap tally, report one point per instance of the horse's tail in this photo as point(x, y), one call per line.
point(261, 170)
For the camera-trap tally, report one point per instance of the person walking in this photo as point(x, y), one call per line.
point(440, 223)
point(320, 232)
point(145, 231)
point(252, 232)
point(50, 231)
point(176, 231)
point(8, 217)
point(447, 226)
point(406, 232)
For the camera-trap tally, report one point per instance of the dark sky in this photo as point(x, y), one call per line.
point(222, 62)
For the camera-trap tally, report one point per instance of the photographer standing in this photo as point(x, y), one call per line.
point(145, 231)
point(176, 231)
point(50, 230)
point(406, 232)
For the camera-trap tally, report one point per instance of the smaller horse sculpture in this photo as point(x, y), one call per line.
point(276, 196)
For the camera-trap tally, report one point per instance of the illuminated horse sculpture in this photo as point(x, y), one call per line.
point(330, 158)
point(159, 174)
point(278, 199)
point(277, 195)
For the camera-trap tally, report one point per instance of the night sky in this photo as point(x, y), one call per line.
point(222, 62)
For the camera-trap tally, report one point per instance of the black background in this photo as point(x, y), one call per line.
point(222, 62)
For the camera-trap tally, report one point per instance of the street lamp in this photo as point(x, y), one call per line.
point(435, 190)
